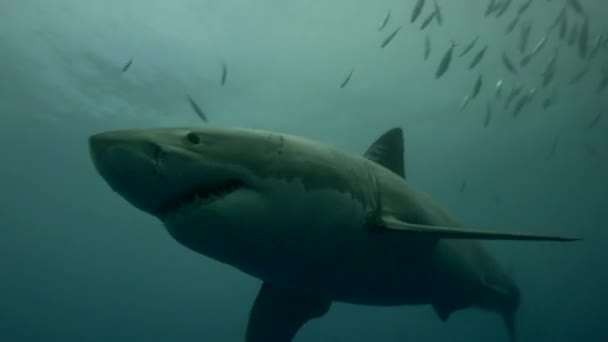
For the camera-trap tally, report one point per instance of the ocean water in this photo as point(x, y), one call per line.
point(78, 263)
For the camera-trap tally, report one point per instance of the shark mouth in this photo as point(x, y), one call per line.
point(199, 196)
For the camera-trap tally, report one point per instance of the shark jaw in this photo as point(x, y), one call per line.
point(198, 197)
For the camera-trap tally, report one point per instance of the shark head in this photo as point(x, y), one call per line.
point(175, 171)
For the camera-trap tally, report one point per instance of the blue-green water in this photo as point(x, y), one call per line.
point(80, 264)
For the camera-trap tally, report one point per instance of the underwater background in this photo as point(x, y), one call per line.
point(78, 263)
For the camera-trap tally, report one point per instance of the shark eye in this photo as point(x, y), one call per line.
point(193, 138)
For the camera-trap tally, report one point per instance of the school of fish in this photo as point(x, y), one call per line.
point(571, 28)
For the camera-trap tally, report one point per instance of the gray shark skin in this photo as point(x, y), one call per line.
point(315, 224)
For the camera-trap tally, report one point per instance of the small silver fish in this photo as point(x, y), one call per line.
point(538, 47)
point(384, 22)
point(550, 100)
point(520, 104)
point(445, 62)
point(549, 72)
point(499, 89)
point(563, 28)
point(465, 102)
point(477, 86)
point(224, 73)
point(428, 20)
point(512, 25)
point(347, 79)
point(127, 66)
point(197, 109)
point(576, 6)
point(506, 61)
point(579, 75)
point(427, 47)
point(526, 60)
point(488, 117)
point(514, 93)
point(478, 57)
point(558, 19)
point(525, 36)
point(389, 38)
point(531, 94)
point(416, 11)
point(548, 75)
point(469, 47)
point(524, 7)
point(505, 6)
point(439, 16)
point(491, 7)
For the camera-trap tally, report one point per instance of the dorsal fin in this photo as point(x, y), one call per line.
point(388, 151)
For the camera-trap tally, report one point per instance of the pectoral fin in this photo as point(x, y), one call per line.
point(394, 224)
point(277, 315)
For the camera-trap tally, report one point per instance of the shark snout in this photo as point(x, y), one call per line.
point(129, 164)
point(98, 144)
point(104, 147)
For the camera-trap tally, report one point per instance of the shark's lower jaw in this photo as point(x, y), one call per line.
point(198, 196)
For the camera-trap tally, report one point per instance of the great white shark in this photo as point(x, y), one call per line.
point(315, 224)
